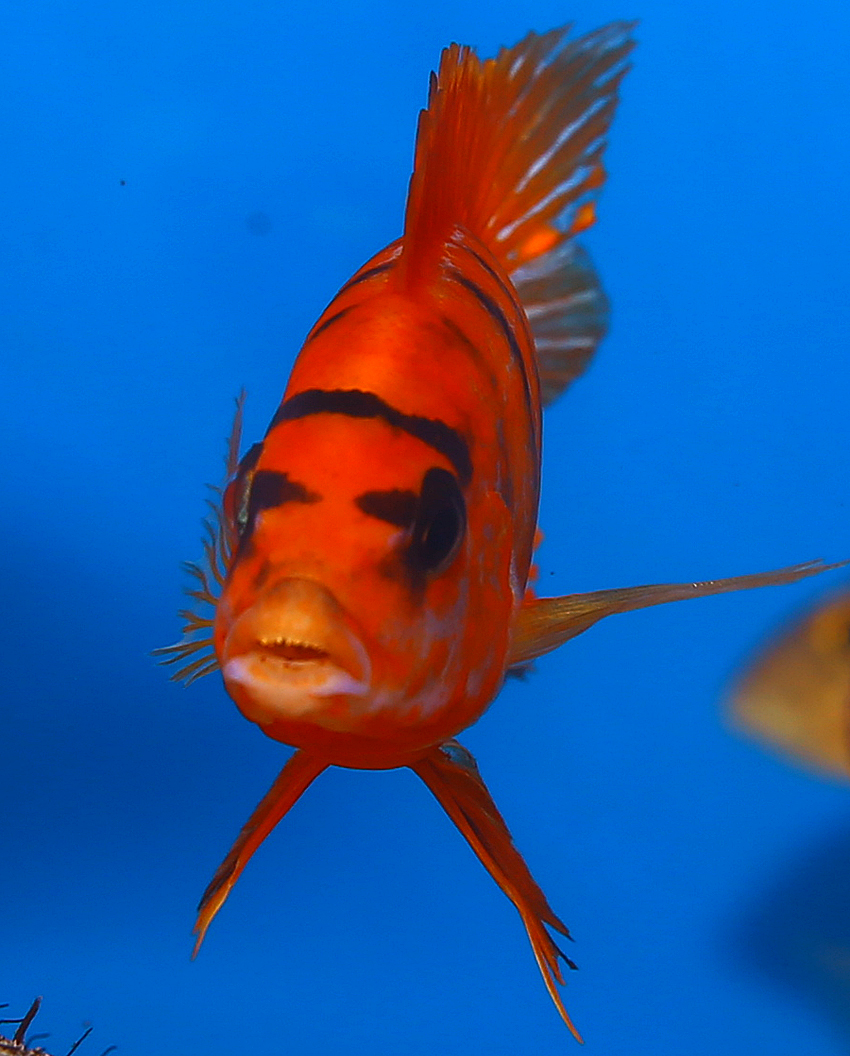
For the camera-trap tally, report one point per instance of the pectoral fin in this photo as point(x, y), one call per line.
point(451, 774)
point(542, 624)
point(300, 771)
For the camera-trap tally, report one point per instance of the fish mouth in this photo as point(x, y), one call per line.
point(291, 650)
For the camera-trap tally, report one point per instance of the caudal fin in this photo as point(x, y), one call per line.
point(510, 150)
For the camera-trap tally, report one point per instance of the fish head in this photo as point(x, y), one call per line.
point(359, 600)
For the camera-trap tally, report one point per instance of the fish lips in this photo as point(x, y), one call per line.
point(292, 650)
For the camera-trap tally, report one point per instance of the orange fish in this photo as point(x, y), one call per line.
point(370, 562)
point(796, 695)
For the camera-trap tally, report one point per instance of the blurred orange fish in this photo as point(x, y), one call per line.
point(796, 695)
point(370, 562)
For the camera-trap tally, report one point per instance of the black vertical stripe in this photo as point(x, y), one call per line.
point(364, 276)
point(509, 292)
point(329, 322)
point(498, 316)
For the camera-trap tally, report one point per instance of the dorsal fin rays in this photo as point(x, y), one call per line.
point(510, 150)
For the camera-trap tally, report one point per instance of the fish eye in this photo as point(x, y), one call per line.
point(238, 491)
point(439, 524)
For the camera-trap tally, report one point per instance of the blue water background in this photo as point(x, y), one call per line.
point(185, 186)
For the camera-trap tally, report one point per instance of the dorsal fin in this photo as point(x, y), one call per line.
point(510, 150)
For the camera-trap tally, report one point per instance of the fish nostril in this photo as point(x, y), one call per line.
point(293, 651)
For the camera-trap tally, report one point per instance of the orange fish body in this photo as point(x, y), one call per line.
point(419, 519)
point(370, 564)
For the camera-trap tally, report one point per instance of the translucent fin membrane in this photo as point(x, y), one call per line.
point(194, 652)
point(568, 313)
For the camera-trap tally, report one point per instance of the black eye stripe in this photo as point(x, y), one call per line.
point(270, 488)
point(396, 507)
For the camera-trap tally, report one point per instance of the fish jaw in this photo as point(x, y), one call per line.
point(294, 654)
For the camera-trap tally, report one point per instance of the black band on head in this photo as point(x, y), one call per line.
point(358, 404)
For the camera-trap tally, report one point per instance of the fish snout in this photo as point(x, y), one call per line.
point(293, 647)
